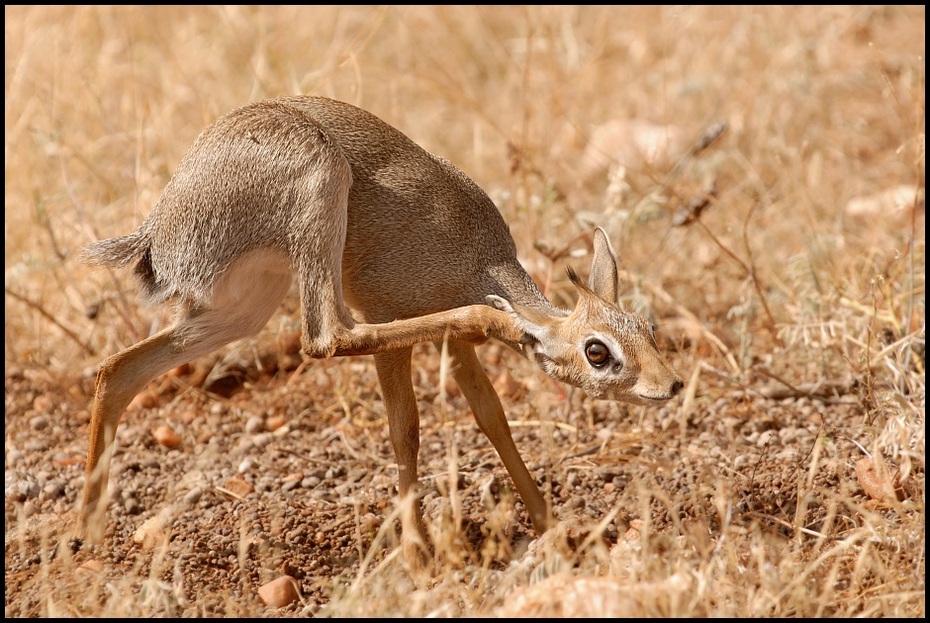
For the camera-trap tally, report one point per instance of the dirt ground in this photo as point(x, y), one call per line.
point(261, 486)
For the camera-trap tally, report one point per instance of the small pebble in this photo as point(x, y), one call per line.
point(193, 496)
point(255, 424)
point(91, 566)
point(280, 592)
point(166, 436)
point(42, 403)
point(39, 422)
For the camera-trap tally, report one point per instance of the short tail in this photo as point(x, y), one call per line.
point(116, 252)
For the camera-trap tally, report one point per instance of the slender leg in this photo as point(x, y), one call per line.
point(123, 375)
point(489, 413)
point(120, 378)
point(474, 323)
point(404, 424)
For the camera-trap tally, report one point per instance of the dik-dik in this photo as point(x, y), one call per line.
point(368, 220)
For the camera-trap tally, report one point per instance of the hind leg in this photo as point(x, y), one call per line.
point(243, 301)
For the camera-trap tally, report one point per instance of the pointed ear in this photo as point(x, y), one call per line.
point(603, 280)
point(533, 323)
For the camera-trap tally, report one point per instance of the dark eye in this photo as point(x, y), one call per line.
point(597, 353)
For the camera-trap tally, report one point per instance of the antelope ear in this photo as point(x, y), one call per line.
point(603, 280)
point(533, 323)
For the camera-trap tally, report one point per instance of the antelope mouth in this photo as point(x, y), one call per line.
point(645, 399)
point(633, 399)
point(656, 400)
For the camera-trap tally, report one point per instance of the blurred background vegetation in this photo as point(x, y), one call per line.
point(759, 169)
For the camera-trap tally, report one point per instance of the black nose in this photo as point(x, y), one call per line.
point(677, 387)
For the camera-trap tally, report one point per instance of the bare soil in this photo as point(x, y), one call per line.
point(262, 486)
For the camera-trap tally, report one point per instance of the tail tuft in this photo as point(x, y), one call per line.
point(115, 252)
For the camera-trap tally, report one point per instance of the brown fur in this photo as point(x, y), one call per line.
point(366, 219)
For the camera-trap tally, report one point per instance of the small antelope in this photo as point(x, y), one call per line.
point(366, 219)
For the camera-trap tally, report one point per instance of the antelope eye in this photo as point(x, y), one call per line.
point(597, 353)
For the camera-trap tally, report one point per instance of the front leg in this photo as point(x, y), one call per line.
point(404, 425)
point(489, 413)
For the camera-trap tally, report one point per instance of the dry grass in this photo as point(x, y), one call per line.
point(800, 266)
